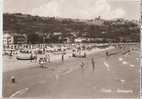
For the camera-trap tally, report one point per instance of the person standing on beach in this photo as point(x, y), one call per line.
point(47, 56)
point(31, 54)
point(36, 57)
point(82, 65)
point(62, 57)
point(107, 54)
point(93, 64)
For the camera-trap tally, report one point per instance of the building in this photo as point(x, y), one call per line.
point(12, 41)
point(80, 39)
point(20, 39)
point(97, 21)
point(57, 33)
point(8, 41)
point(68, 40)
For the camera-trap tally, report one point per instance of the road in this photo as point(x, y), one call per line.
point(116, 76)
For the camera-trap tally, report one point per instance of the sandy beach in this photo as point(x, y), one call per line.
point(11, 63)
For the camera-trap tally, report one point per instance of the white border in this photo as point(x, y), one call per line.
point(1, 48)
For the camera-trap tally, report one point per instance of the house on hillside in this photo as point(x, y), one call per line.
point(80, 39)
point(97, 21)
point(99, 40)
point(68, 40)
point(57, 33)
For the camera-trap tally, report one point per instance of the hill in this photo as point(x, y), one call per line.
point(38, 26)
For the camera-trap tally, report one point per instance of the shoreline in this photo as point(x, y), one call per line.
point(54, 59)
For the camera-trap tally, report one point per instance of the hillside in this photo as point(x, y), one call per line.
point(97, 28)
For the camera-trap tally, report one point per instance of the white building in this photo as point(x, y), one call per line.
point(8, 41)
point(79, 39)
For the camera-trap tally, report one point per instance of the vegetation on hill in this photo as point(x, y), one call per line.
point(41, 29)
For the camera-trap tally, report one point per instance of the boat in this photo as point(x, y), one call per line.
point(24, 55)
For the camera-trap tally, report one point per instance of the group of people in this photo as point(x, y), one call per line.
point(43, 60)
point(47, 59)
point(93, 63)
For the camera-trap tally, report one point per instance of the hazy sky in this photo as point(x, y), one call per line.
point(76, 8)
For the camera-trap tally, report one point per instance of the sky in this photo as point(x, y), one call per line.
point(82, 9)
